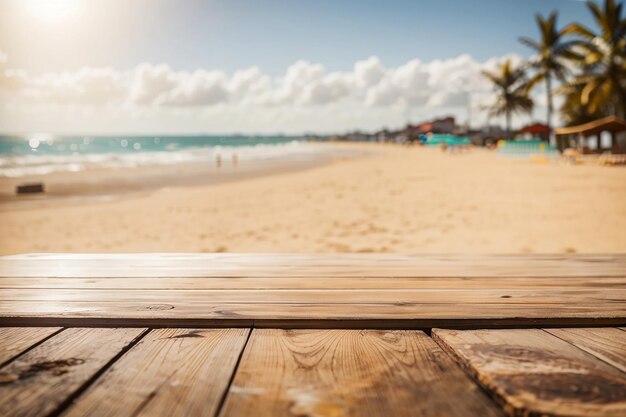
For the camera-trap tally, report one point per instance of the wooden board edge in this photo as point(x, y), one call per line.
point(470, 371)
point(351, 323)
point(54, 330)
point(123, 322)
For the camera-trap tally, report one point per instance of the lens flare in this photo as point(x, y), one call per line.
point(52, 10)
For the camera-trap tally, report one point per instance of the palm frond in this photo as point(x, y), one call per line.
point(531, 43)
point(597, 14)
point(512, 91)
point(578, 29)
point(534, 81)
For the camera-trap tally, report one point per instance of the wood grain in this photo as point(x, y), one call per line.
point(320, 283)
point(170, 372)
point(532, 372)
point(14, 340)
point(39, 381)
point(294, 265)
point(350, 373)
point(290, 290)
point(555, 296)
point(607, 344)
point(391, 315)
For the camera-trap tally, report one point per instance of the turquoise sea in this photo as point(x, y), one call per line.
point(40, 154)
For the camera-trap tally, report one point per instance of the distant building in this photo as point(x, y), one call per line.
point(446, 125)
point(409, 134)
point(384, 136)
point(488, 135)
point(579, 136)
point(360, 137)
point(535, 130)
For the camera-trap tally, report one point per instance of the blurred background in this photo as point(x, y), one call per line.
point(312, 126)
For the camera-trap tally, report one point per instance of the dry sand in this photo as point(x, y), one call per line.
point(412, 200)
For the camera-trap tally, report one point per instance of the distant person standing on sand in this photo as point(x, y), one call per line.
point(235, 160)
point(218, 160)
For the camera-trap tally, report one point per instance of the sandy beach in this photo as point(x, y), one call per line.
point(394, 199)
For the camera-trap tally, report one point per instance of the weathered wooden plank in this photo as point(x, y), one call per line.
point(312, 305)
point(607, 344)
point(532, 372)
point(38, 382)
point(14, 340)
point(345, 265)
point(546, 296)
point(296, 258)
point(203, 314)
point(350, 373)
point(323, 282)
point(599, 257)
point(239, 289)
point(171, 372)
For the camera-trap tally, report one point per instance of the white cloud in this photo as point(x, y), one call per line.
point(369, 72)
point(150, 82)
point(306, 90)
point(159, 85)
point(295, 87)
point(406, 84)
point(438, 83)
point(200, 88)
point(10, 79)
point(329, 89)
point(85, 86)
point(250, 81)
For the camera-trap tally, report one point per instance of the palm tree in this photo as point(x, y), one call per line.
point(511, 90)
point(573, 111)
point(552, 52)
point(603, 59)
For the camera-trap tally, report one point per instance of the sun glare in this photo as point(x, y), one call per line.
point(52, 10)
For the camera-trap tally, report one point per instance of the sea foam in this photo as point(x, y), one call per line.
point(18, 156)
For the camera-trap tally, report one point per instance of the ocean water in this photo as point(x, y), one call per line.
point(41, 154)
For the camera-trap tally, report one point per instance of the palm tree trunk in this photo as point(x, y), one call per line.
point(508, 124)
point(620, 110)
point(550, 106)
point(619, 107)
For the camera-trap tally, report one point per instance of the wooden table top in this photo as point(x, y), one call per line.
point(235, 335)
point(321, 291)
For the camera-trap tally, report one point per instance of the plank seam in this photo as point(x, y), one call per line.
point(472, 373)
point(321, 276)
point(588, 352)
point(308, 323)
point(31, 347)
point(222, 401)
point(67, 402)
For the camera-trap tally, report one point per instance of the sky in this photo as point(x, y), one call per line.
point(235, 66)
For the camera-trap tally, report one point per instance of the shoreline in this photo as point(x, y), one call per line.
point(110, 184)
